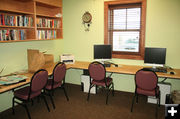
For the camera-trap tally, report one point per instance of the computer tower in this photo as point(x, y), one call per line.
point(165, 88)
point(85, 83)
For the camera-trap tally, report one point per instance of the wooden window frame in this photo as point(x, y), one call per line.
point(127, 55)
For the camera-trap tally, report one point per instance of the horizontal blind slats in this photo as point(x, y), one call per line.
point(124, 29)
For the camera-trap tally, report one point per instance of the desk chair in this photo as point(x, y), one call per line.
point(57, 80)
point(146, 84)
point(28, 93)
point(97, 73)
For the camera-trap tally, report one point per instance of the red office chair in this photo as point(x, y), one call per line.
point(146, 84)
point(57, 80)
point(28, 93)
point(97, 73)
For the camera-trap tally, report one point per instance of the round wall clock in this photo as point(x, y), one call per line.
point(87, 17)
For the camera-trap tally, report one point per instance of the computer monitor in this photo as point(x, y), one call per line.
point(102, 52)
point(155, 57)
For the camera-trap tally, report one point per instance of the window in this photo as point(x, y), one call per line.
point(125, 28)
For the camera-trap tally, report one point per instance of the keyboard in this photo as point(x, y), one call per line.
point(163, 70)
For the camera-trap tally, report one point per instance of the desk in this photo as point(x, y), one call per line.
point(5, 88)
point(122, 69)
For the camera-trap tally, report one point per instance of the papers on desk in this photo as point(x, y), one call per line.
point(6, 80)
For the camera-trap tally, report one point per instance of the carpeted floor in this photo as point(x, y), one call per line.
point(78, 108)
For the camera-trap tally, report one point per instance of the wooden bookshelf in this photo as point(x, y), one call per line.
point(19, 20)
point(41, 28)
point(16, 27)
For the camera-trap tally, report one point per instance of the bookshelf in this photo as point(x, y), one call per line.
point(30, 20)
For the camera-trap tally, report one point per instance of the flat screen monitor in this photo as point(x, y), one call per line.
point(155, 56)
point(102, 52)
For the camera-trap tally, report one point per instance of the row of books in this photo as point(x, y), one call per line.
point(47, 23)
point(16, 20)
point(7, 35)
point(46, 34)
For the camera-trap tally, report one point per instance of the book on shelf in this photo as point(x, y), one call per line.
point(46, 34)
point(47, 23)
point(0, 19)
point(12, 34)
point(16, 20)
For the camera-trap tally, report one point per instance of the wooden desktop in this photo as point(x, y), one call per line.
point(122, 69)
point(125, 69)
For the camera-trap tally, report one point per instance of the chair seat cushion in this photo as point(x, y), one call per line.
point(102, 82)
point(24, 92)
point(49, 84)
point(148, 92)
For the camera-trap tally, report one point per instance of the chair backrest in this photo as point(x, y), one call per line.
point(59, 72)
point(39, 80)
point(146, 79)
point(97, 71)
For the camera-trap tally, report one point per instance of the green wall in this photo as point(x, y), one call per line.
point(14, 54)
point(14, 58)
point(162, 30)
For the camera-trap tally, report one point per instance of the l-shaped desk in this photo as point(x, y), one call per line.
point(121, 69)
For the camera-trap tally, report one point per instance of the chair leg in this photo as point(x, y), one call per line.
point(32, 102)
point(156, 115)
point(158, 104)
point(89, 92)
point(107, 95)
point(38, 99)
point(52, 101)
point(159, 98)
point(13, 106)
point(25, 106)
point(46, 102)
point(65, 93)
point(137, 98)
point(133, 102)
point(52, 92)
point(113, 89)
point(159, 101)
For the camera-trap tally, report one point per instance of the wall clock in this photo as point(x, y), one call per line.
point(87, 18)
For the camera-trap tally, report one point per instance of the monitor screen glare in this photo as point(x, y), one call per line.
point(102, 52)
point(155, 56)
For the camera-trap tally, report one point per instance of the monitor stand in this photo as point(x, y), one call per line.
point(107, 64)
point(154, 66)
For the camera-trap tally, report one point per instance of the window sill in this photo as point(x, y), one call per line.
point(127, 56)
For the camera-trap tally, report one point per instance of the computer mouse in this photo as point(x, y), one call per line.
point(172, 73)
point(116, 65)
